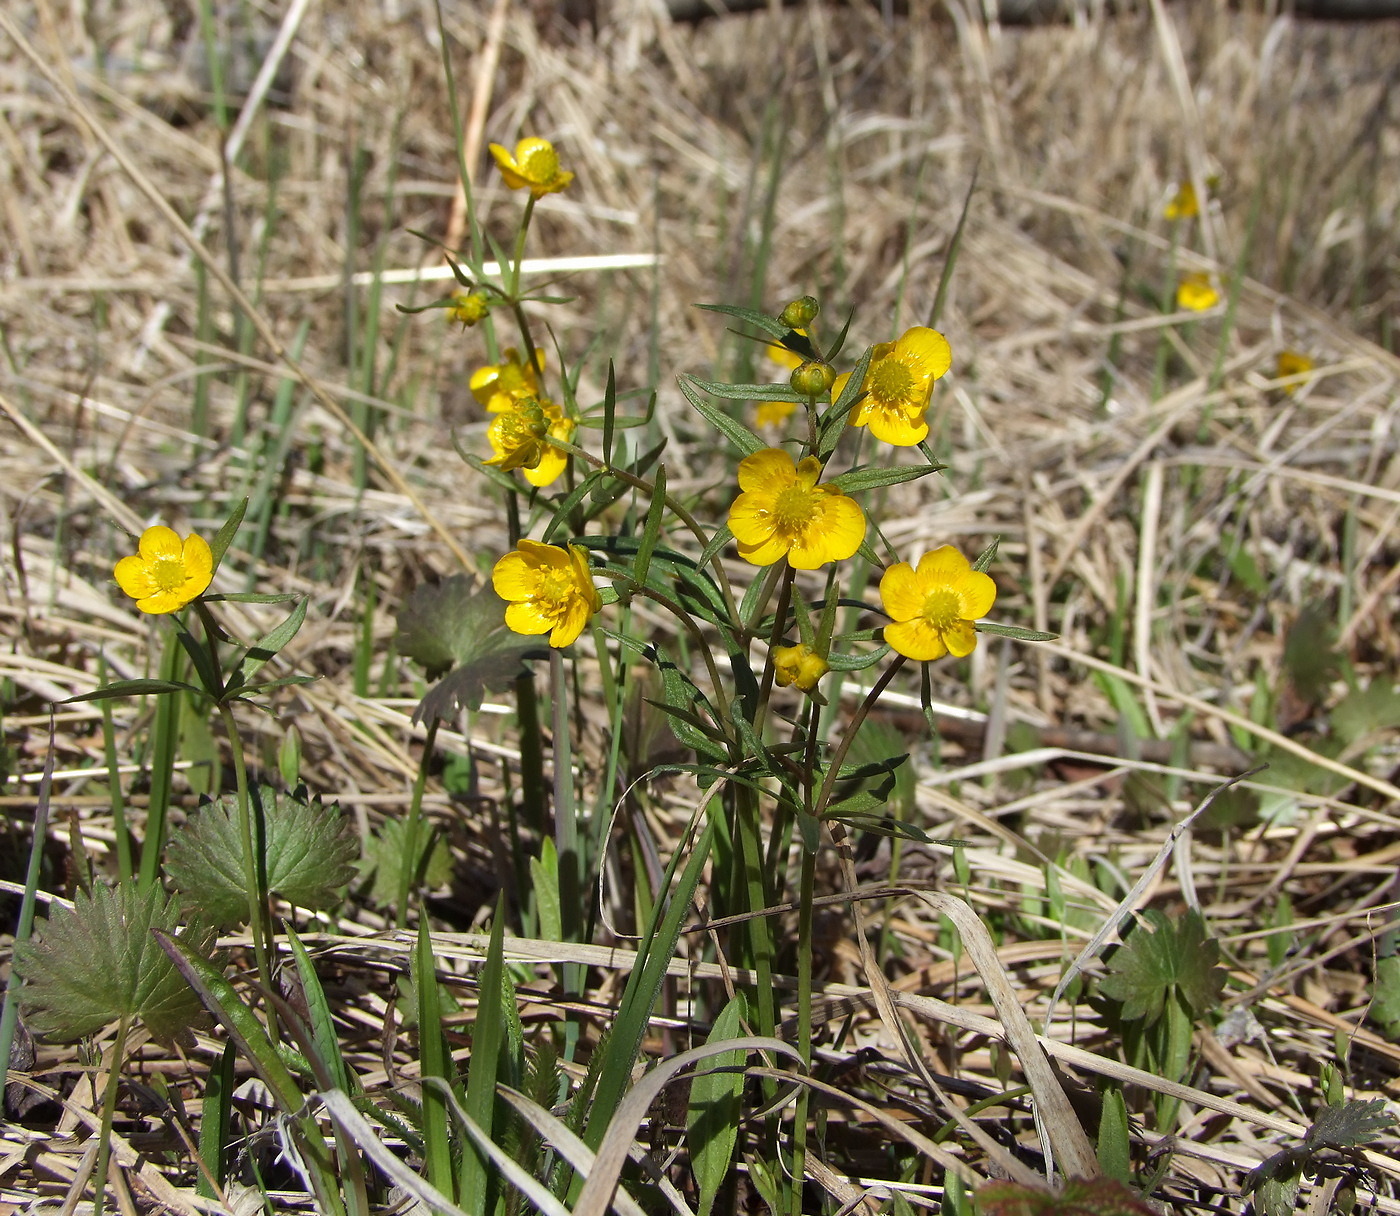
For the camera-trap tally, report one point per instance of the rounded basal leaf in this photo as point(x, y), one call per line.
point(311, 853)
point(90, 966)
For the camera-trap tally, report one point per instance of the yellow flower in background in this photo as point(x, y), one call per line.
point(1292, 363)
point(534, 167)
point(772, 413)
point(933, 606)
point(167, 572)
point(498, 386)
point(1196, 292)
point(783, 512)
point(898, 385)
point(547, 589)
point(468, 307)
point(1184, 204)
point(520, 438)
point(784, 358)
point(800, 665)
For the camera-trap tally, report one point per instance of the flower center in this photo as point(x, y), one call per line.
point(891, 383)
point(168, 573)
point(793, 508)
point(540, 164)
point(942, 608)
point(556, 586)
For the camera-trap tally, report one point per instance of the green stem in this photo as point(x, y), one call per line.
point(254, 855)
point(520, 251)
point(109, 1110)
point(804, 1020)
point(838, 757)
point(408, 867)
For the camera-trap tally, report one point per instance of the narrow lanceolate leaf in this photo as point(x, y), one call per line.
point(1014, 631)
point(712, 1124)
point(759, 320)
point(98, 962)
point(871, 478)
point(310, 848)
point(131, 688)
point(734, 430)
point(270, 643)
point(224, 537)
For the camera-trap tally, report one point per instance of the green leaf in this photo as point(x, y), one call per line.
point(748, 392)
point(131, 688)
point(987, 556)
point(1309, 654)
point(834, 420)
point(734, 430)
point(544, 885)
point(385, 855)
point(876, 825)
point(267, 646)
point(460, 629)
point(713, 1118)
point(249, 597)
point(1365, 711)
point(98, 962)
point(224, 537)
point(759, 320)
point(310, 850)
point(1385, 995)
point(1173, 955)
point(324, 1039)
point(1014, 631)
point(870, 478)
point(1350, 1124)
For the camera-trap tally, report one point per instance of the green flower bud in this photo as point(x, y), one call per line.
point(798, 314)
point(812, 379)
point(468, 307)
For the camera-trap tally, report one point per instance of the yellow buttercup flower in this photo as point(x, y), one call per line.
point(800, 665)
point(783, 512)
point(1292, 363)
point(1196, 292)
point(933, 606)
point(498, 386)
point(1184, 203)
point(547, 589)
point(898, 385)
point(520, 438)
point(167, 572)
point(534, 167)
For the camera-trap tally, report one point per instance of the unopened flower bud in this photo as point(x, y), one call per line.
point(798, 314)
point(800, 665)
point(812, 379)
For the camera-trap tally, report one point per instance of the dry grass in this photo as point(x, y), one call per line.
point(1144, 475)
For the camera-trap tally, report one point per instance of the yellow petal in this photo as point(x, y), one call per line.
point(527, 619)
point(570, 625)
point(942, 566)
point(977, 592)
point(134, 577)
point(916, 639)
point(896, 428)
point(514, 578)
point(960, 638)
point(767, 471)
point(199, 565)
point(925, 352)
point(750, 521)
point(583, 576)
point(163, 602)
point(552, 463)
point(900, 592)
point(160, 541)
point(763, 552)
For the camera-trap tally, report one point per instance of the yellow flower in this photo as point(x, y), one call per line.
point(1196, 292)
point(773, 413)
point(784, 358)
point(468, 307)
point(898, 385)
point(933, 607)
point(167, 572)
point(498, 386)
point(800, 665)
point(534, 167)
point(783, 512)
point(1292, 363)
point(1184, 203)
point(520, 438)
point(547, 590)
